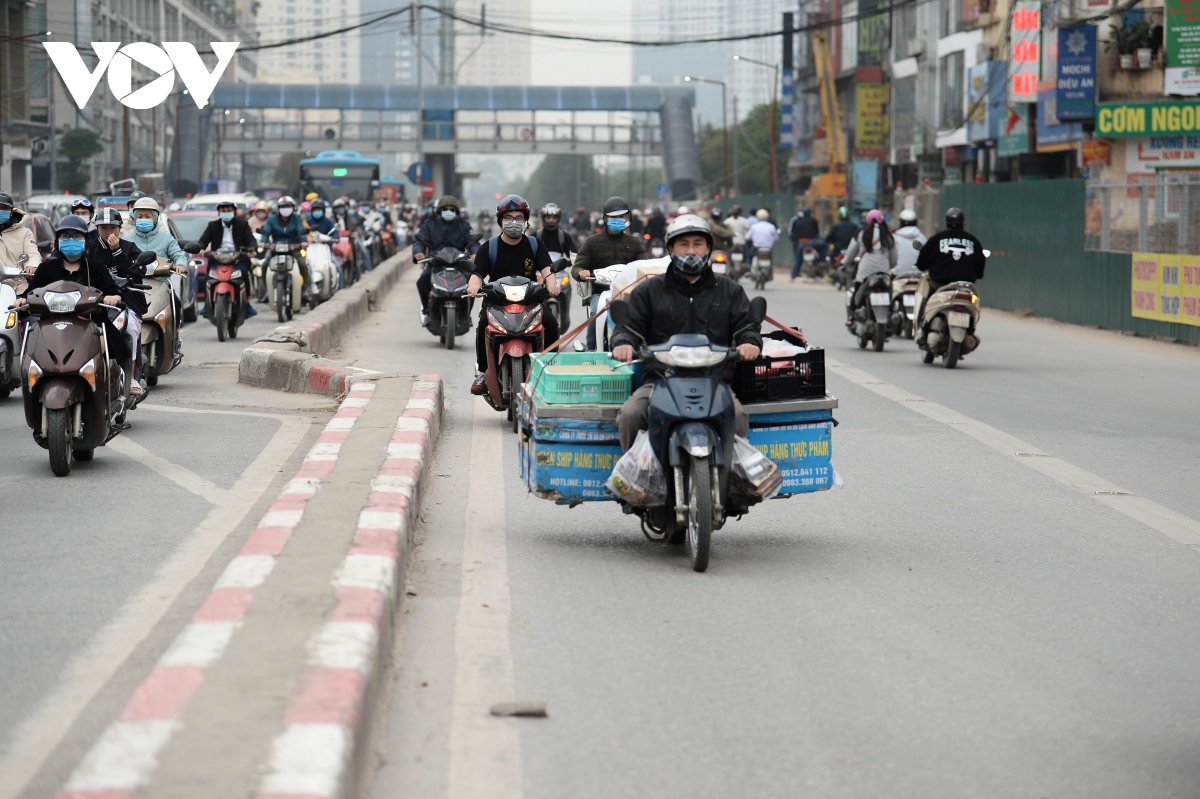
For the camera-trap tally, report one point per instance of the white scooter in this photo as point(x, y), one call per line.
point(322, 267)
point(12, 280)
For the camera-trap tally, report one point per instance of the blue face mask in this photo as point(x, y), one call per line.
point(227, 216)
point(71, 248)
point(449, 216)
point(616, 225)
point(318, 214)
point(144, 225)
point(5, 216)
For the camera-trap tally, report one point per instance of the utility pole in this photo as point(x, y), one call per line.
point(416, 20)
point(50, 79)
point(736, 129)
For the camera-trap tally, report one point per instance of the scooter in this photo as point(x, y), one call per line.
point(227, 292)
point(119, 320)
point(560, 306)
point(904, 300)
point(345, 256)
point(514, 332)
point(763, 268)
point(160, 326)
point(71, 389)
point(691, 429)
point(812, 265)
point(12, 283)
point(259, 269)
point(948, 323)
point(873, 321)
point(449, 306)
point(286, 293)
point(322, 268)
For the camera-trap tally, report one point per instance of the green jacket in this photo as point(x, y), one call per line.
point(603, 249)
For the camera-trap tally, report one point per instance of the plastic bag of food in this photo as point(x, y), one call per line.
point(754, 476)
point(638, 477)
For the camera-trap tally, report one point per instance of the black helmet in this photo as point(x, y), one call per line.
point(954, 218)
point(71, 224)
point(512, 202)
point(134, 197)
point(615, 206)
point(6, 199)
point(108, 216)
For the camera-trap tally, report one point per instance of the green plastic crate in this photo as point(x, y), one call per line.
point(601, 389)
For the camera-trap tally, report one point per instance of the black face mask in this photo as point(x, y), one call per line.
point(550, 223)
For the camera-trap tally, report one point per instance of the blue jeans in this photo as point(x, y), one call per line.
point(821, 247)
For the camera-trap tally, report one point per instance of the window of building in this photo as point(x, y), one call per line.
point(950, 90)
point(904, 111)
point(952, 17)
point(904, 30)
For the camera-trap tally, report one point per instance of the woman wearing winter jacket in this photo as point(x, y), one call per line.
point(876, 250)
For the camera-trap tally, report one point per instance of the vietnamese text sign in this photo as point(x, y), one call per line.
point(1024, 58)
point(1014, 132)
point(871, 132)
point(1183, 47)
point(1122, 120)
point(1076, 73)
point(1166, 288)
point(1159, 152)
point(986, 109)
point(1053, 137)
point(1094, 152)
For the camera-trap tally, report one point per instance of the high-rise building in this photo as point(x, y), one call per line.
point(336, 59)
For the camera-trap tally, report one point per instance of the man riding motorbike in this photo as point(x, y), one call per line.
point(318, 217)
point(552, 236)
point(285, 226)
point(805, 231)
point(119, 257)
point(446, 228)
point(721, 231)
point(229, 231)
point(656, 225)
point(840, 235)
point(951, 255)
point(611, 247)
point(689, 298)
point(909, 241)
point(762, 235)
point(517, 255)
point(148, 236)
point(16, 239)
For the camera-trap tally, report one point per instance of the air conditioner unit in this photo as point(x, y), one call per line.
point(916, 47)
point(983, 52)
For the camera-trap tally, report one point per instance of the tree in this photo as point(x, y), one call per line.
point(287, 171)
point(568, 180)
point(78, 145)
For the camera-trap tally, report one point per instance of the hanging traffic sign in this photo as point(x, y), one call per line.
point(662, 189)
point(419, 173)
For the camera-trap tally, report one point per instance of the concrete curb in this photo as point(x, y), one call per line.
point(288, 359)
point(324, 750)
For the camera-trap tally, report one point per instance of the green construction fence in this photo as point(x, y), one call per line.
point(1035, 232)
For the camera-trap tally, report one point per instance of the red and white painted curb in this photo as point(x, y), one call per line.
point(126, 755)
point(327, 719)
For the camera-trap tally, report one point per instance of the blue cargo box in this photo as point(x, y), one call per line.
point(567, 452)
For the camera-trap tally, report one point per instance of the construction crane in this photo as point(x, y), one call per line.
point(833, 182)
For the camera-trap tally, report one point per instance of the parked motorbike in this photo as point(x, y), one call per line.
point(691, 430)
point(227, 292)
point(948, 323)
point(762, 270)
point(287, 292)
point(904, 300)
point(449, 306)
point(12, 283)
point(324, 272)
point(71, 389)
point(514, 332)
point(160, 326)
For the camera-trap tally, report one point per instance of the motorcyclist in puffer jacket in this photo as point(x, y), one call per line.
point(149, 237)
point(909, 241)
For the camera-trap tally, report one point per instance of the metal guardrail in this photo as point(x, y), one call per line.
point(1160, 215)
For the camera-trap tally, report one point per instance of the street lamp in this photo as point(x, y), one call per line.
point(773, 180)
point(724, 127)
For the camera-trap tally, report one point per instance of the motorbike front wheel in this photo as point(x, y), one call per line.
point(700, 513)
point(450, 326)
point(518, 379)
point(221, 316)
point(953, 353)
point(58, 440)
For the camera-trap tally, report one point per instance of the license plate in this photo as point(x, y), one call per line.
point(881, 298)
point(910, 300)
point(958, 319)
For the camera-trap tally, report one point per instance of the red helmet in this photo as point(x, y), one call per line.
point(512, 202)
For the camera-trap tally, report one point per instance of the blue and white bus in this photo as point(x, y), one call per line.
point(334, 173)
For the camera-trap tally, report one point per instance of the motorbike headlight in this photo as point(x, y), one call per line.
point(283, 247)
point(35, 374)
point(690, 357)
point(88, 372)
point(515, 293)
point(496, 317)
point(61, 301)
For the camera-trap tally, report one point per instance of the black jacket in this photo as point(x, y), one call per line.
point(841, 234)
point(601, 250)
point(92, 274)
point(456, 233)
point(803, 227)
point(120, 263)
point(952, 255)
point(714, 306)
point(557, 240)
point(656, 226)
point(243, 236)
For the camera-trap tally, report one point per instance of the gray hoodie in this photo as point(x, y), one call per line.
point(906, 253)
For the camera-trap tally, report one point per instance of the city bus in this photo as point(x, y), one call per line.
point(335, 173)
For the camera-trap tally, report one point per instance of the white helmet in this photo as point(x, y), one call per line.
point(683, 209)
point(689, 223)
point(908, 217)
point(763, 214)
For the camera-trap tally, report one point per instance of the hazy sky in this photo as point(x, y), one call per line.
point(563, 63)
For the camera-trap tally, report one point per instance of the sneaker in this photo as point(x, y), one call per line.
point(250, 310)
point(136, 389)
point(479, 387)
point(424, 319)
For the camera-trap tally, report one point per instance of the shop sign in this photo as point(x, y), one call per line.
point(871, 132)
point(1014, 133)
point(1120, 120)
point(1166, 288)
point(1161, 152)
point(1095, 152)
point(1024, 57)
point(986, 109)
point(1182, 47)
point(1076, 73)
point(1053, 137)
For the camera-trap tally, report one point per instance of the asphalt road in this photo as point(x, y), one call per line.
point(100, 569)
point(956, 621)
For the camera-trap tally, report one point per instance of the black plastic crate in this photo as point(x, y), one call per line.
point(800, 376)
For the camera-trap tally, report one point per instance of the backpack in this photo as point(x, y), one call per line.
point(494, 248)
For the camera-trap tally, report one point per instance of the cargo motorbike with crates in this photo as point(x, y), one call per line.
point(688, 473)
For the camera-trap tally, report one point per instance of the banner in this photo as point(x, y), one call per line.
point(1183, 47)
point(874, 38)
point(1014, 133)
point(1166, 288)
point(1122, 120)
point(986, 110)
point(1095, 152)
point(871, 132)
point(1024, 63)
point(1159, 152)
point(1076, 73)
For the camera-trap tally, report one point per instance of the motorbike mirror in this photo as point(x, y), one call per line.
point(758, 310)
point(190, 247)
point(560, 264)
point(619, 311)
point(987, 253)
point(146, 258)
point(24, 257)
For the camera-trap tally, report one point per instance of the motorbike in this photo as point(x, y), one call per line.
point(287, 292)
point(762, 268)
point(227, 292)
point(904, 300)
point(160, 326)
point(560, 306)
point(722, 266)
point(259, 268)
point(322, 268)
point(874, 322)
point(812, 265)
point(72, 391)
point(12, 283)
point(345, 254)
point(514, 332)
point(948, 323)
point(843, 273)
point(449, 306)
point(691, 430)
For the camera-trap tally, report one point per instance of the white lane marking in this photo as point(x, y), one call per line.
point(201, 644)
point(306, 760)
point(124, 755)
point(43, 729)
point(485, 751)
point(1170, 523)
point(377, 572)
point(344, 645)
point(182, 476)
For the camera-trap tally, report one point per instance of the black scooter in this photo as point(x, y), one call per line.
point(691, 430)
point(873, 321)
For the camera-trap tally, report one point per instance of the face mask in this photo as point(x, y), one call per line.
point(85, 216)
point(286, 211)
point(262, 215)
point(340, 211)
point(144, 225)
point(449, 216)
point(71, 248)
point(318, 214)
point(227, 216)
point(616, 225)
point(5, 216)
point(690, 264)
point(513, 229)
point(657, 252)
point(550, 224)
